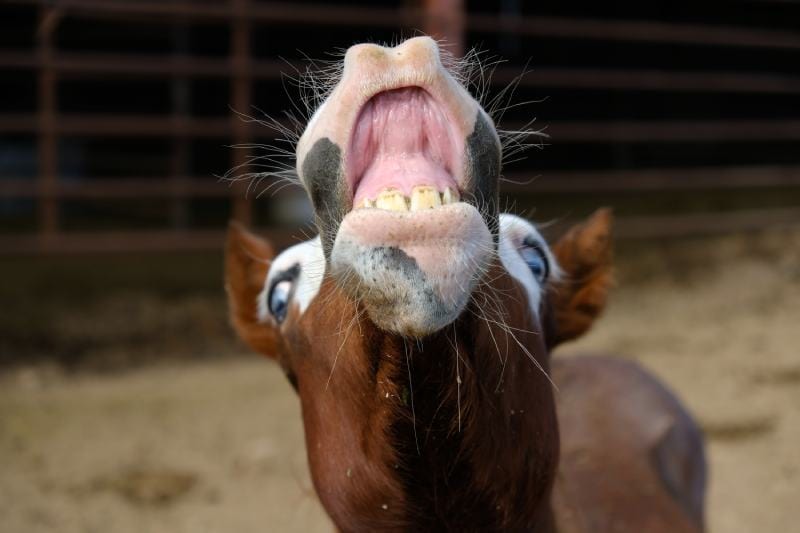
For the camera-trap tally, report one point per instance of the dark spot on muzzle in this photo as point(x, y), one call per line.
point(323, 177)
point(406, 267)
point(483, 169)
point(408, 292)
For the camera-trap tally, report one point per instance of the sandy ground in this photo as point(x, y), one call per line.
point(217, 445)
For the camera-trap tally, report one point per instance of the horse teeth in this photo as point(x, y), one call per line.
point(391, 200)
point(365, 202)
point(449, 196)
point(424, 197)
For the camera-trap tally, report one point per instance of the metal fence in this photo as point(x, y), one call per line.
point(768, 129)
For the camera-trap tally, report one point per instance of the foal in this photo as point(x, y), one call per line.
point(416, 329)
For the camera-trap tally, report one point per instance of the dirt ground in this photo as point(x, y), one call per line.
point(217, 445)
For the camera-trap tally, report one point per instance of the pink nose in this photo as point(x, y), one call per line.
point(419, 52)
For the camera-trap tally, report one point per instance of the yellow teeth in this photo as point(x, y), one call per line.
point(391, 200)
point(449, 196)
point(422, 197)
point(365, 202)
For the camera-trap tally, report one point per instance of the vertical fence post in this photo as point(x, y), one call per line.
point(446, 20)
point(181, 100)
point(47, 142)
point(241, 98)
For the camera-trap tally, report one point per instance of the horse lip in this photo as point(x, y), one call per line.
point(413, 271)
point(323, 148)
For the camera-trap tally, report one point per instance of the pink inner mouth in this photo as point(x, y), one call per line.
point(401, 139)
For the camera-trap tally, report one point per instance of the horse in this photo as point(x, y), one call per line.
point(417, 329)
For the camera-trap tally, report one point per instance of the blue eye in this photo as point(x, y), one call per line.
point(279, 299)
point(534, 257)
point(281, 291)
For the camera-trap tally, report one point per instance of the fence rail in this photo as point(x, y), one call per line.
point(635, 31)
point(684, 178)
point(79, 65)
point(632, 131)
point(342, 15)
point(632, 227)
point(226, 11)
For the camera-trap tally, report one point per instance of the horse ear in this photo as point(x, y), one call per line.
point(247, 260)
point(584, 254)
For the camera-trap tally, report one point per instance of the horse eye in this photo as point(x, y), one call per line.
point(536, 260)
point(279, 299)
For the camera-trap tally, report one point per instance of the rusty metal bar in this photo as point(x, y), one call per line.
point(135, 241)
point(649, 80)
point(322, 14)
point(631, 227)
point(84, 64)
point(113, 242)
point(633, 30)
point(634, 131)
point(241, 91)
point(115, 187)
point(652, 179)
point(123, 125)
point(444, 20)
point(46, 126)
point(515, 182)
point(180, 95)
point(73, 64)
point(262, 12)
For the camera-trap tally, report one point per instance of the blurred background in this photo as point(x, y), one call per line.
point(118, 119)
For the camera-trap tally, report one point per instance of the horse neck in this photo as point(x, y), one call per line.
point(455, 431)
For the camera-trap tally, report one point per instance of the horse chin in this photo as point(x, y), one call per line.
point(413, 272)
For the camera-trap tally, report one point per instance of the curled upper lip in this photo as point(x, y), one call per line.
point(406, 124)
point(370, 70)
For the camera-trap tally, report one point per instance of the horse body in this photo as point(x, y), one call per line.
point(632, 458)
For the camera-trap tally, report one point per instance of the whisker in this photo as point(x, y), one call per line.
point(411, 393)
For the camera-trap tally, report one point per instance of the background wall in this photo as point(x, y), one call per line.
point(118, 116)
